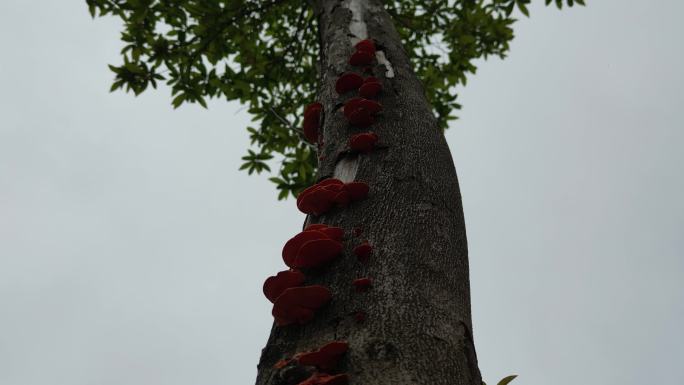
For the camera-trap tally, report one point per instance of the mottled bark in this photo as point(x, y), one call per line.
point(418, 327)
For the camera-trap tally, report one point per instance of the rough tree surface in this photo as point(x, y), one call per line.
point(418, 328)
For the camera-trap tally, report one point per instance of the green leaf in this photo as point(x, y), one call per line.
point(507, 380)
point(178, 100)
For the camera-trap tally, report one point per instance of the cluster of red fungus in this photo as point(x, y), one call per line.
point(326, 194)
point(317, 245)
point(312, 121)
point(324, 360)
point(361, 111)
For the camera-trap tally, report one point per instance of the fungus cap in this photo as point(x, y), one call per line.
point(361, 112)
point(294, 244)
point(363, 251)
point(313, 109)
point(317, 252)
point(348, 81)
point(326, 357)
point(316, 226)
point(319, 198)
point(352, 105)
point(370, 90)
point(275, 285)
point(310, 128)
point(366, 45)
point(342, 198)
point(361, 58)
point(317, 201)
point(364, 142)
point(312, 117)
point(371, 105)
point(336, 233)
point(297, 304)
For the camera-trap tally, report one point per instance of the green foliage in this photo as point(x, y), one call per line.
point(505, 381)
point(263, 53)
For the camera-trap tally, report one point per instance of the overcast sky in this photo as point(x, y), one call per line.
point(132, 251)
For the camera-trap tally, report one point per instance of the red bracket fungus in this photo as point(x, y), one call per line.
point(326, 357)
point(318, 198)
point(370, 87)
point(362, 284)
point(366, 45)
point(312, 118)
point(361, 58)
point(361, 112)
point(297, 304)
point(357, 190)
point(364, 142)
point(314, 247)
point(349, 81)
point(363, 251)
point(336, 233)
point(326, 379)
point(322, 196)
point(364, 54)
point(274, 286)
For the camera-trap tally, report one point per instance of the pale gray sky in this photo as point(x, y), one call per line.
point(132, 251)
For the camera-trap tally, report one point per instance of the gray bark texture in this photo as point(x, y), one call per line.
point(418, 328)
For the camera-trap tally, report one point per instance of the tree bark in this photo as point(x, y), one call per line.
point(418, 326)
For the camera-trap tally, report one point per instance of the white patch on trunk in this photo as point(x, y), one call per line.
point(382, 59)
point(357, 27)
point(346, 168)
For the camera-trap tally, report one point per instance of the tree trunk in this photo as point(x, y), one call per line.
point(418, 325)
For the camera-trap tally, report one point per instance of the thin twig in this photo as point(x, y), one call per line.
point(285, 121)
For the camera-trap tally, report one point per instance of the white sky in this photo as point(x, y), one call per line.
point(132, 251)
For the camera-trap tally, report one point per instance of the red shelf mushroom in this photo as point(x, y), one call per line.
point(297, 304)
point(348, 81)
point(361, 58)
point(361, 112)
point(312, 118)
point(364, 142)
point(370, 87)
point(326, 379)
point(274, 286)
point(318, 198)
point(313, 247)
point(364, 54)
point(322, 196)
point(366, 45)
point(363, 251)
point(336, 233)
point(317, 252)
point(326, 357)
point(362, 284)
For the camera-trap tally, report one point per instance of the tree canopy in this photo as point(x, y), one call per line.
point(264, 53)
